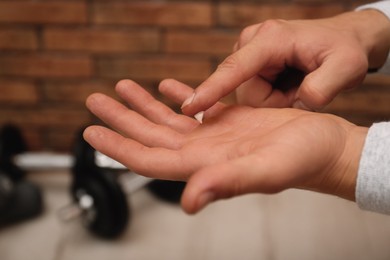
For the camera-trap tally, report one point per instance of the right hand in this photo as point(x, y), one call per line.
point(237, 150)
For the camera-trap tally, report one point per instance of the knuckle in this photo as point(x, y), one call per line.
point(273, 25)
point(230, 63)
point(247, 34)
point(359, 60)
point(266, 28)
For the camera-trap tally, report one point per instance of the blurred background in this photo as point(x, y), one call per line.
point(54, 53)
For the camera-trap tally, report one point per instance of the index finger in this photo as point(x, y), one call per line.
point(231, 73)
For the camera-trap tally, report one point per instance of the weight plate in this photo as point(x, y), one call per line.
point(111, 213)
point(169, 191)
point(11, 144)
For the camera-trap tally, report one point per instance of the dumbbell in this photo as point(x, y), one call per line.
point(100, 196)
point(100, 186)
point(20, 199)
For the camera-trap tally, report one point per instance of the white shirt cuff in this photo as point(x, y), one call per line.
point(382, 6)
point(373, 180)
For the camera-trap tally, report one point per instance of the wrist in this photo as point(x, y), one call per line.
point(372, 29)
point(349, 162)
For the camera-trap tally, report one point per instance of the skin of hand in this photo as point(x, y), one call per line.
point(237, 150)
point(315, 59)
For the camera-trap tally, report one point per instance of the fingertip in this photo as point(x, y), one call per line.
point(171, 85)
point(198, 203)
point(193, 200)
point(187, 199)
point(199, 192)
point(188, 206)
point(87, 133)
point(192, 105)
point(165, 83)
point(300, 105)
point(188, 101)
point(124, 84)
point(94, 130)
point(91, 134)
point(310, 97)
point(93, 100)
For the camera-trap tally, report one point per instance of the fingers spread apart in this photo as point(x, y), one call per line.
point(131, 124)
point(145, 104)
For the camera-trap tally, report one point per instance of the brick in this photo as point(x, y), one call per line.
point(43, 117)
point(47, 68)
point(18, 39)
point(45, 65)
point(33, 12)
point(201, 42)
point(76, 92)
point(154, 68)
point(361, 120)
point(361, 101)
point(377, 80)
point(31, 136)
point(366, 104)
point(18, 92)
point(61, 139)
point(102, 40)
point(163, 14)
point(244, 14)
point(48, 129)
point(316, 1)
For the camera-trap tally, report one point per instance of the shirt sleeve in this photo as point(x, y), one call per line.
point(373, 179)
point(384, 7)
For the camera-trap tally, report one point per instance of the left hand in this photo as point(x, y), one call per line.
point(297, 63)
point(237, 150)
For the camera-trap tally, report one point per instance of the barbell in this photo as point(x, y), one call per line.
point(100, 185)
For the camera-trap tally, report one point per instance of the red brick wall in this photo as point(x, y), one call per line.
point(54, 53)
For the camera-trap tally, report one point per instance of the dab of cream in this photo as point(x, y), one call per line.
point(199, 116)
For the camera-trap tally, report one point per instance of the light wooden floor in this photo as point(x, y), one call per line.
point(291, 225)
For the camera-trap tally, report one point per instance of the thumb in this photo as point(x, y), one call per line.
point(244, 175)
point(336, 74)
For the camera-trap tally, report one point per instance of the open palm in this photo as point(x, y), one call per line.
point(237, 149)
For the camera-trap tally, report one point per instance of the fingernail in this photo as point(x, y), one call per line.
point(299, 104)
point(199, 116)
point(188, 100)
point(204, 199)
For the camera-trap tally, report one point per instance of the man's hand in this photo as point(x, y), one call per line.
point(237, 150)
point(301, 64)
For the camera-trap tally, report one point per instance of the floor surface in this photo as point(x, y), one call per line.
point(290, 225)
